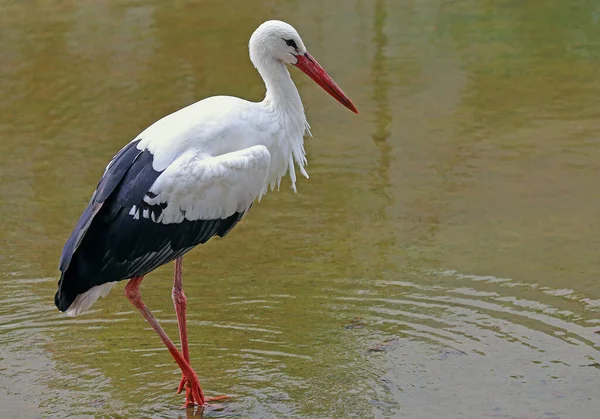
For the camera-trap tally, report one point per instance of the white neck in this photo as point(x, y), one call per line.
point(282, 93)
point(283, 98)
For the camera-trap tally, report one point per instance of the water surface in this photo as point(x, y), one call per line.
point(442, 260)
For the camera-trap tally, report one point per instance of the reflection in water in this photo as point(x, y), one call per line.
point(381, 87)
point(450, 257)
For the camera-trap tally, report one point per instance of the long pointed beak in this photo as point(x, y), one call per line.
point(312, 69)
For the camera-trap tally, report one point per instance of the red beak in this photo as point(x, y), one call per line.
point(312, 69)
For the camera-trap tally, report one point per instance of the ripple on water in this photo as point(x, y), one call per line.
point(442, 336)
point(459, 314)
point(439, 339)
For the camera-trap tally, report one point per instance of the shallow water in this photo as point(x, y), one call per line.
point(442, 260)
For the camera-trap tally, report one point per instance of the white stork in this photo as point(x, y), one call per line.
point(188, 177)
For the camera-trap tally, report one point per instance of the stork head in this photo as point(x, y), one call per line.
point(277, 40)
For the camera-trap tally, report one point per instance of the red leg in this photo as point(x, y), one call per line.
point(180, 302)
point(132, 292)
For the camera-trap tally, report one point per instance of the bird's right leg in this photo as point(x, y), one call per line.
point(180, 302)
point(132, 292)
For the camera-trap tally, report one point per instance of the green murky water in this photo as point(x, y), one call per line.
point(442, 261)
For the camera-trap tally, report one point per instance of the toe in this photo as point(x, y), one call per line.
point(182, 384)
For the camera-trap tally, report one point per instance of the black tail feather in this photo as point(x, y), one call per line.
point(62, 299)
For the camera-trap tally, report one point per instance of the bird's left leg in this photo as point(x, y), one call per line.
point(132, 292)
point(180, 302)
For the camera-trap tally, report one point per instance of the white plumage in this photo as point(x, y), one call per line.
point(207, 188)
point(214, 158)
point(188, 177)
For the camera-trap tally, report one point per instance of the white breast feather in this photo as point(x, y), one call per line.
point(197, 188)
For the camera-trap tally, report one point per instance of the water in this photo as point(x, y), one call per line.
point(440, 262)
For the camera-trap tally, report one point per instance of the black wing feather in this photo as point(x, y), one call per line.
point(115, 171)
point(109, 245)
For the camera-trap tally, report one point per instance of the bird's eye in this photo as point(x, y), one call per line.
point(291, 43)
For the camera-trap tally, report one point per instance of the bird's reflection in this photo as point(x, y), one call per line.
point(194, 413)
point(198, 412)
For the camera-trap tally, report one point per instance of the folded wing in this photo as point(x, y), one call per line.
point(148, 218)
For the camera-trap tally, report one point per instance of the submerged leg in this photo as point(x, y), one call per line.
point(132, 292)
point(180, 302)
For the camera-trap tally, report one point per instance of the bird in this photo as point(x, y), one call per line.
point(190, 176)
